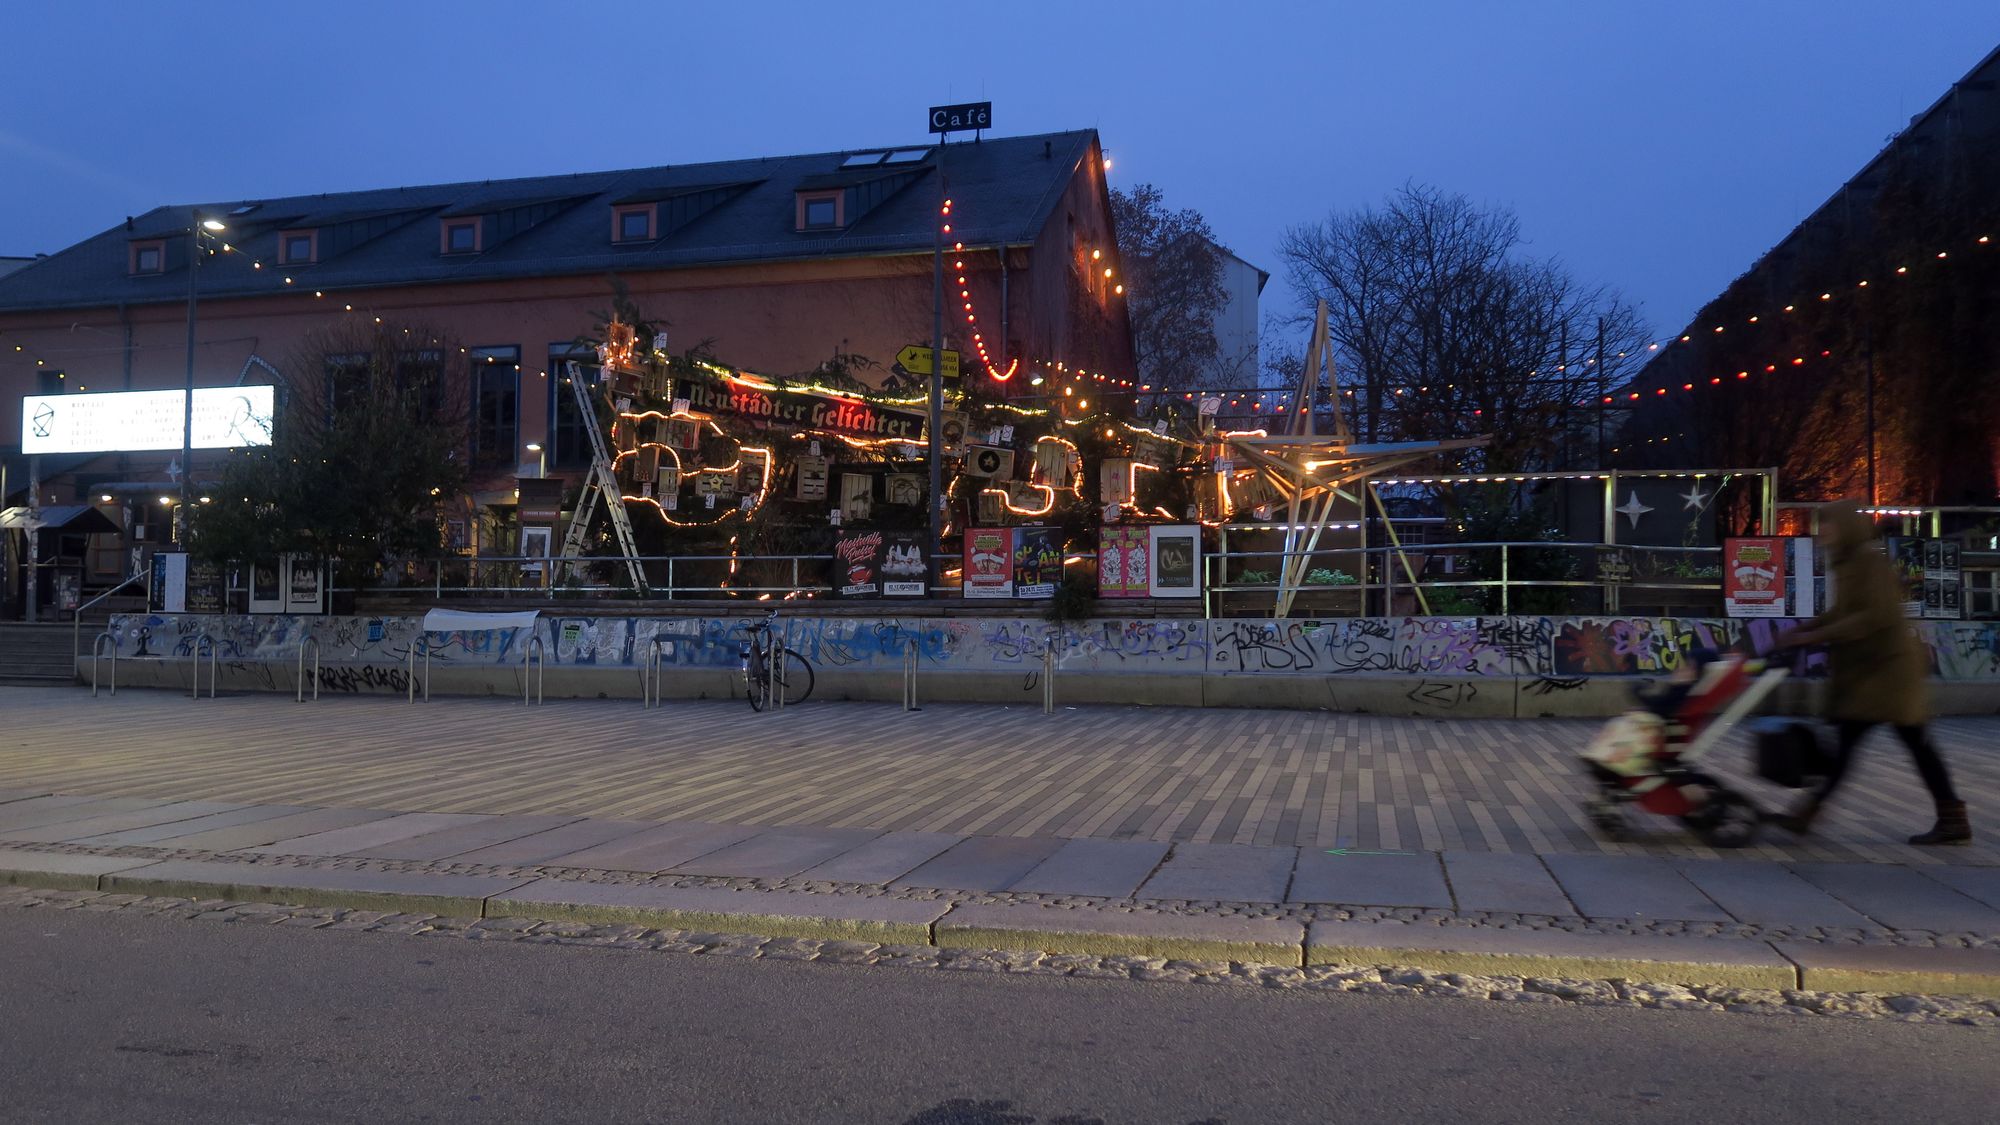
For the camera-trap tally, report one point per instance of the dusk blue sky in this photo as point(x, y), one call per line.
point(1657, 147)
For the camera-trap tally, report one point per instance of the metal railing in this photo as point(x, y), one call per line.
point(96, 648)
point(911, 661)
point(204, 641)
point(76, 633)
point(424, 642)
point(1378, 576)
point(310, 642)
point(667, 576)
point(537, 653)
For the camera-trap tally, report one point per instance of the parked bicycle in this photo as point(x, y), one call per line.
point(786, 680)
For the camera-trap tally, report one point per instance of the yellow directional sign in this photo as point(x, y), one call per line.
point(917, 361)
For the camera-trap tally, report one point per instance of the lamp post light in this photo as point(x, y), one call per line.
point(196, 226)
point(541, 458)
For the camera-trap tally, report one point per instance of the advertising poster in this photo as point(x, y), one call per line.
point(1906, 555)
point(267, 593)
point(857, 564)
point(904, 569)
point(205, 589)
point(989, 562)
point(166, 592)
point(1124, 562)
point(1038, 561)
point(1944, 580)
point(1753, 578)
point(1176, 561)
point(305, 586)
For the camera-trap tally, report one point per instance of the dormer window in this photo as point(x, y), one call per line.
point(821, 210)
point(459, 236)
point(148, 257)
point(298, 247)
point(632, 224)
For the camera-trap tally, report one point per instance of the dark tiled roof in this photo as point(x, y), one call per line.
point(1004, 190)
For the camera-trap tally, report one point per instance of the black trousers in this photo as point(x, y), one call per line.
point(1930, 765)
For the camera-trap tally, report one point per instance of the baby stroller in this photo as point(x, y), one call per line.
point(1650, 756)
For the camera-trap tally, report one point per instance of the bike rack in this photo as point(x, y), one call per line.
point(311, 642)
point(424, 642)
point(1049, 677)
point(97, 648)
point(910, 665)
point(537, 653)
point(649, 673)
point(194, 655)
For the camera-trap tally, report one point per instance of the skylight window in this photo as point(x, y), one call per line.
point(863, 159)
point(906, 156)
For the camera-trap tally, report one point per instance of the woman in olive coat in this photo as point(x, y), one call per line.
point(1879, 671)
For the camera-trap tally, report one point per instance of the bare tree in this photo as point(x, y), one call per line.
point(1173, 275)
point(1443, 329)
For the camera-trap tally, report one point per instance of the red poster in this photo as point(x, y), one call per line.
point(1124, 562)
point(1753, 577)
point(989, 562)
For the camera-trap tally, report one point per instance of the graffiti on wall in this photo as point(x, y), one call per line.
point(372, 653)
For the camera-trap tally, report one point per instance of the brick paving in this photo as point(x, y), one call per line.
point(1274, 778)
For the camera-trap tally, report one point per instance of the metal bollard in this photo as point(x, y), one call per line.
point(311, 642)
point(194, 656)
point(775, 652)
point(537, 653)
point(649, 674)
point(1049, 678)
point(96, 648)
point(910, 665)
point(425, 642)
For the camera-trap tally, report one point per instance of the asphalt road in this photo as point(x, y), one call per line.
point(110, 1018)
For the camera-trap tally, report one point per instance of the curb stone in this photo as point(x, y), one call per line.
point(778, 914)
point(1726, 962)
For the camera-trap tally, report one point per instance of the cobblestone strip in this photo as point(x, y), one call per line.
point(1365, 980)
point(1295, 912)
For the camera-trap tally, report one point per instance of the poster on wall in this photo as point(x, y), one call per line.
point(1944, 580)
point(206, 590)
point(989, 562)
point(267, 591)
point(535, 543)
point(1038, 561)
point(166, 588)
point(305, 585)
point(1753, 577)
point(857, 564)
point(1124, 562)
point(1176, 561)
point(905, 571)
point(1906, 555)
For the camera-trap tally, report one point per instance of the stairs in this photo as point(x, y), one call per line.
point(37, 655)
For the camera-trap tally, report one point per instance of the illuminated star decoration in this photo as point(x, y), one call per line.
point(1633, 509)
point(1695, 498)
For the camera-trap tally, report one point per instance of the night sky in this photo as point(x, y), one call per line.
point(1657, 147)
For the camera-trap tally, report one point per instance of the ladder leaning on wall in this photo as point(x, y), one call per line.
point(601, 486)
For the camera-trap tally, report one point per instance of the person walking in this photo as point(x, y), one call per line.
point(1879, 672)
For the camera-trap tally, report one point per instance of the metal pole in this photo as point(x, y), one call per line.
point(1603, 392)
point(34, 536)
point(1868, 349)
point(187, 404)
point(936, 568)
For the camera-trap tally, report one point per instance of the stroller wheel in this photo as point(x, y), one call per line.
point(1609, 822)
point(1731, 822)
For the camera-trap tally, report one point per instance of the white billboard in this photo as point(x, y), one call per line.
point(138, 421)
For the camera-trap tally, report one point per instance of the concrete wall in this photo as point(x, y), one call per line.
point(1525, 666)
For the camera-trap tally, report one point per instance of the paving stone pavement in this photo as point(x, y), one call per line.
point(1165, 775)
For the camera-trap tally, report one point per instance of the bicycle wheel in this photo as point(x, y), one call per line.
point(795, 676)
point(757, 680)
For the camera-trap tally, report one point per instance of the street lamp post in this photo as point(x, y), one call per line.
point(541, 458)
point(196, 225)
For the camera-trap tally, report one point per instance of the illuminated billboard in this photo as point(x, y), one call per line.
point(138, 421)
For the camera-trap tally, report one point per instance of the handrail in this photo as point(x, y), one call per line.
point(538, 653)
point(310, 642)
point(650, 673)
point(76, 618)
point(194, 655)
point(96, 647)
point(423, 641)
point(910, 664)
